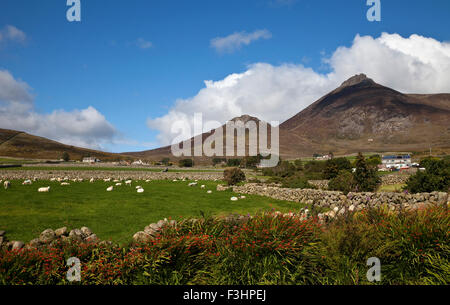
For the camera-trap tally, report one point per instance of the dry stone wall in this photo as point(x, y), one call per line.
point(352, 201)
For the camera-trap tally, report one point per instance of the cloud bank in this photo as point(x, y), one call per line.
point(415, 64)
point(86, 128)
point(234, 42)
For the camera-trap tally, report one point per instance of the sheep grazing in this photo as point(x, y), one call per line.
point(147, 180)
point(140, 190)
point(44, 189)
point(27, 182)
point(242, 197)
point(192, 184)
point(65, 183)
point(6, 185)
point(92, 180)
point(118, 184)
point(128, 182)
point(109, 189)
point(209, 192)
point(234, 199)
point(138, 187)
point(107, 179)
point(202, 186)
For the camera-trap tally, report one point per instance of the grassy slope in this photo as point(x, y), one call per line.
point(117, 215)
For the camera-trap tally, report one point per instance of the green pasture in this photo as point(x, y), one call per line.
point(117, 215)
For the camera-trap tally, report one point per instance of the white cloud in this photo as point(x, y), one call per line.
point(412, 65)
point(143, 44)
point(86, 127)
point(11, 33)
point(234, 41)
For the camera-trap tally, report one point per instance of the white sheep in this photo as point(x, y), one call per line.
point(209, 192)
point(128, 182)
point(141, 190)
point(192, 184)
point(202, 186)
point(138, 187)
point(44, 189)
point(92, 180)
point(65, 183)
point(234, 199)
point(109, 189)
point(27, 182)
point(118, 184)
point(107, 179)
point(7, 185)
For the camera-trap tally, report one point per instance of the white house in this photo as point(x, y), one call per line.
point(90, 160)
point(396, 161)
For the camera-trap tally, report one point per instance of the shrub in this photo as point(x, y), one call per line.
point(165, 161)
point(436, 177)
point(233, 175)
point(186, 163)
point(343, 182)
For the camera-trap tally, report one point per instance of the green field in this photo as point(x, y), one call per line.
point(117, 215)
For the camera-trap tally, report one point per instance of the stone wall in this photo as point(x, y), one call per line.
point(394, 179)
point(98, 174)
point(353, 201)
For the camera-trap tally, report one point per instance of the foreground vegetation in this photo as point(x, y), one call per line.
point(117, 215)
point(266, 249)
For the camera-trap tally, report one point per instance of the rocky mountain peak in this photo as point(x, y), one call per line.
point(357, 79)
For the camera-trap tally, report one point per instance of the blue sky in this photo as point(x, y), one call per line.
point(132, 60)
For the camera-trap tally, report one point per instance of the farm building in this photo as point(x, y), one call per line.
point(396, 161)
point(90, 160)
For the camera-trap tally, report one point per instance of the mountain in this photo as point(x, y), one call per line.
point(22, 145)
point(362, 115)
point(166, 151)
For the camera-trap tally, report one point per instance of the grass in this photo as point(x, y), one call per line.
point(117, 215)
point(392, 188)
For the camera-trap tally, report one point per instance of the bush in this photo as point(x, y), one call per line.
point(233, 175)
point(233, 162)
point(436, 177)
point(186, 163)
point(343, 182)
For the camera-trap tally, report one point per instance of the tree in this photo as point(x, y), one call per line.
point(186, 163)
point(343, 182)
point(436, 177)
point(334, 166)
point(165, 161)
point(233, 175)
point(365, 176)
point(65, 156)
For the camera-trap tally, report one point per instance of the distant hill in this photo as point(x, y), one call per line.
point(22, 145)
point(360, 115)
